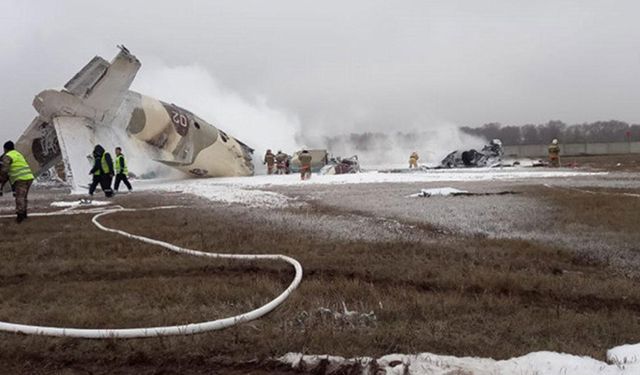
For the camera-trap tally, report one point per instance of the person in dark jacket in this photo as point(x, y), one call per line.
point(122, 171)
point(102, 171)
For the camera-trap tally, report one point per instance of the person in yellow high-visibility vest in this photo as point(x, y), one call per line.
point(122, 171)
point(102, 171)
point(16, 170)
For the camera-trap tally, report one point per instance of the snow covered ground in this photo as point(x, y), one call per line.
point(537, 363)
point(471, 174)
point(252, 191)
point(242, 190)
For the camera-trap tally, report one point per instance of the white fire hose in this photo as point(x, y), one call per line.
point(185, 329)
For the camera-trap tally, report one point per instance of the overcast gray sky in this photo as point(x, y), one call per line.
point(347, 65)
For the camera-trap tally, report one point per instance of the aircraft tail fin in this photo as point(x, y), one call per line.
point(103, 85)
point(69, 121)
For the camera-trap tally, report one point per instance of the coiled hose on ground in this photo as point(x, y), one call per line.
point(185, 329)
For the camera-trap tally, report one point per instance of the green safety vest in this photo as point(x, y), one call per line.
point(105, 166)
point(19, 169)
point(121, 166)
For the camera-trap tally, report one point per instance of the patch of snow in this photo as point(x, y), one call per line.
point(446, 191)
point(471, 174)
point(228, 194)
point(432, 364)
point(242, 190)
point(79, 203)
point(624, 354)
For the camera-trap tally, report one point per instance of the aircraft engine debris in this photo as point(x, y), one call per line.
point(491, 155)
point(97, 107)
point(340, 165)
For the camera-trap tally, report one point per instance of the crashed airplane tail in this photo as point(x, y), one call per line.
point(96, 107)
point(63, 131)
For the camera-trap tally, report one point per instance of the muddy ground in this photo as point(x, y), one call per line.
point(553, 267)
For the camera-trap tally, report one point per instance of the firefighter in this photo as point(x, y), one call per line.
point(305, 164)
point(413, 160)
point(122, 171)
point(102, 171)
point(16, 170)
point(554, 154)
point(282, 163)
point(270, 161)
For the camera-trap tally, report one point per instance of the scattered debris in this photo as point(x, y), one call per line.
point(449, 191)
point(539, 163)
point(343, 318)
point(340, 165)
point(51, 178)
point(425, 193)
point(81, 202)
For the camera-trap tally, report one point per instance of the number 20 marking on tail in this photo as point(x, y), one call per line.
point(179, 119)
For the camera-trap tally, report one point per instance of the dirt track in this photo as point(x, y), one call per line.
point(475, 276)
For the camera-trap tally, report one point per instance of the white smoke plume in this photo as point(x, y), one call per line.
point(262, 127)
point(251, 120)
point(392, 147)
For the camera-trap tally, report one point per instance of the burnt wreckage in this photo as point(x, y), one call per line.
point(340, 165)
point(489, 156)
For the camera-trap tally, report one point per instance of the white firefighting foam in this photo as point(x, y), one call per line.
point(434, 364)
point(246, 190)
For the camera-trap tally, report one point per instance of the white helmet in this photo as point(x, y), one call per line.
point(555, 142)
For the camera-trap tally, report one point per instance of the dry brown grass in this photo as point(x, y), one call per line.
point(456, 295)
point(598, 208)
point(621, 162)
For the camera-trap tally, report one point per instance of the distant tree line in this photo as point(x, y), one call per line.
point(599, 131)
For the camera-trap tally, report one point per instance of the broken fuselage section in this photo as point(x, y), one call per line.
point(489, 156)
point(182, 140)
point(97, 107)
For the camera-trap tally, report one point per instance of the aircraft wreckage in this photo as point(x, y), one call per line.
point(97, 107)
point(489, 156)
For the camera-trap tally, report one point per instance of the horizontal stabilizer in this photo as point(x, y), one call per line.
point(85, 80)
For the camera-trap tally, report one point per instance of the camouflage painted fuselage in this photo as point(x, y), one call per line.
point(187, 142)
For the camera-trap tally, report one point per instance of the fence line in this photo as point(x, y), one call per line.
point(575, 149)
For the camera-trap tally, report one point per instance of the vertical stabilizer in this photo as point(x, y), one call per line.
point(76, 140)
